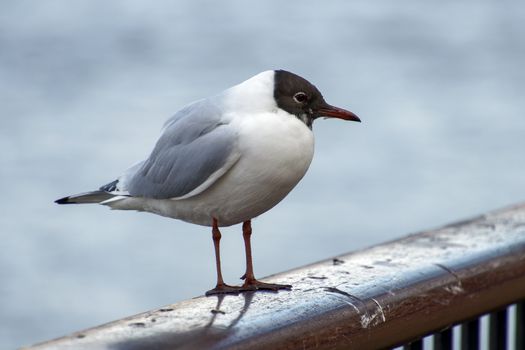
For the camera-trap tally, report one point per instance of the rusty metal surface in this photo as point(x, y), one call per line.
point(369, 299)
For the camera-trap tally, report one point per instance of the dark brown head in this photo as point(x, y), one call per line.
point(299, 97)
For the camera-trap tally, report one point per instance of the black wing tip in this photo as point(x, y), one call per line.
point(64, 200)
point(110, 187)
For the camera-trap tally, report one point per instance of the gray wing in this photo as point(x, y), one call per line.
point(195, 149)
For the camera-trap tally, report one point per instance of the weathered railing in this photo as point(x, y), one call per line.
point(382, 297)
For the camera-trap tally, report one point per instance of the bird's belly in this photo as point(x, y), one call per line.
point(275, 155)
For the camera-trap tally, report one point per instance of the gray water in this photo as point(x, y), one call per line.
point(86, 85)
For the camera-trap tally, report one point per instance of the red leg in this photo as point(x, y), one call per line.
point(221, 287)
point(250, 282)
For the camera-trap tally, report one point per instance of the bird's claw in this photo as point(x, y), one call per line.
point(251, 285)
point(248, 286)
point(224, 289)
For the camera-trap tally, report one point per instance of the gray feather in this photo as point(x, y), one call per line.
point(194, 145)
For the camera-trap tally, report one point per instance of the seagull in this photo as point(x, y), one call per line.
point(226, 159)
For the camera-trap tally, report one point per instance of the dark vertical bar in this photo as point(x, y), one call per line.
point(498, 330)
point(520, 325)
point(443, 340)
point(470, 335)
point(415, 345)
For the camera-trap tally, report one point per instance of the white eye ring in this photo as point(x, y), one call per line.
point(300, 97)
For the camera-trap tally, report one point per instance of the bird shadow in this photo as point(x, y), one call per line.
point(195, 338)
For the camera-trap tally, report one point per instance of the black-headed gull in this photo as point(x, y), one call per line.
point(225, 160)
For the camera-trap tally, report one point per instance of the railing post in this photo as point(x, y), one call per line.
point(498, 330)
point(470, 335)
point(415, 345)
point(520, 325)
point(443, 340)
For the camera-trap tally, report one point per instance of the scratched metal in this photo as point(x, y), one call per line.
point(378, 297)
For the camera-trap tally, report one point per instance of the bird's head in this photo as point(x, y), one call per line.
point(299, 97)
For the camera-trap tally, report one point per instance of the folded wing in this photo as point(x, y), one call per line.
point(196, 148)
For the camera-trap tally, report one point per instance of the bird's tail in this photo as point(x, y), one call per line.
point(86, 197)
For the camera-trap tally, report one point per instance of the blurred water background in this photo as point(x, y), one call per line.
point(85, 87)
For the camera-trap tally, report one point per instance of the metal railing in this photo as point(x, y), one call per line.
point(497, 335)
point(386, 296)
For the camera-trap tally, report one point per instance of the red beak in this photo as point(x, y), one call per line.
point(336, 112)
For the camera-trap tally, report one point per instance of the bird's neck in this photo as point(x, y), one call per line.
point(307, 119)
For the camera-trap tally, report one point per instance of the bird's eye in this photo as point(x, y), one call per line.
point(300, 97)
